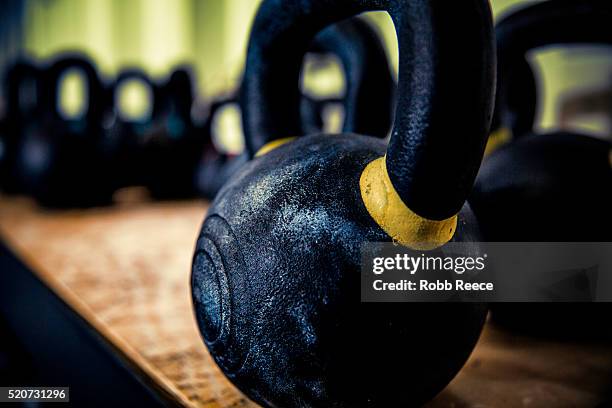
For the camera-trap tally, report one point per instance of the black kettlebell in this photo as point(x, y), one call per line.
point(215, 166)
point(128, 133)
point(516, 100)
point(553, 187)
point(368, 78)
point(64, 164)
point(174, 145)
point(24, 89)
point(276, 271)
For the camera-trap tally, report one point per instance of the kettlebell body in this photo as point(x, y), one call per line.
point(276, 272)
point(276, 286)
point(550, 188)
point(554, 187)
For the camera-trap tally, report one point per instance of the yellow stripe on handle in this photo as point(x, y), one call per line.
point(395, 218)
point(273, 145)
point(497, 139)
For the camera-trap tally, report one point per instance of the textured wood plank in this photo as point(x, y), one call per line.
point(126, 270)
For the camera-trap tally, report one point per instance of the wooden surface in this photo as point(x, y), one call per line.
point(126, 270)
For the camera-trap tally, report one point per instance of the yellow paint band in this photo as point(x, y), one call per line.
point(273, 145)
point(394, 217)
point(497, 139)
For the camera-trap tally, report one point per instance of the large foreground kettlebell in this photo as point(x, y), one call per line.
point(276, 272)
point(554, 187)
point(66, 163)
point(24, 89)
point(367, 103)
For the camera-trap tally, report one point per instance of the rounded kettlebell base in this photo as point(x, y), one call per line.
point(276, 288)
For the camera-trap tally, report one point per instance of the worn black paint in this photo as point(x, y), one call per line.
point(442, 115)
point(276, 279)
point(276, 272)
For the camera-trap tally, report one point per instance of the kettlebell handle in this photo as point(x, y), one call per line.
point(94, 86)
point(547, 23)
point(553, 22)
point(131, 74)
point(445, 90)
point(13, 80)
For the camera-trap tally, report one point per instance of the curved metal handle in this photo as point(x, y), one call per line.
point(445, 90)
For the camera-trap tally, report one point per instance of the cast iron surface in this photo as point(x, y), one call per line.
point(551, 187)
point(432, 169)
point(276, 272)
point(276, 288)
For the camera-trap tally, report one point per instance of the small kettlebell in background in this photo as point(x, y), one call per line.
point(367, 104)
point(516, 101)
point(174, 145)
point(64, 163)
point(554, 187)
point(368, 79)
point(129, 126)
point(276, 271)
point(24, 89)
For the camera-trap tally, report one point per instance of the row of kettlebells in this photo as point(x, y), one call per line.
point(82, 160)
point(276, 270)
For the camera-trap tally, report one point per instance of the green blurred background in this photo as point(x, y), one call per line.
point(211, 36)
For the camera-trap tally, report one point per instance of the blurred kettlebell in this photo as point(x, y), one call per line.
point(23, 85)
point(64, 163)
point(516, 101)
point(129, 126)
point(554, 187)
point(173, 144)
point(367, 103)
point(215, 166)
point(367, 75)
point(276, 271)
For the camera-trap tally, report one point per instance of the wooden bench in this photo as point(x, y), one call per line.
point(126, 270)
